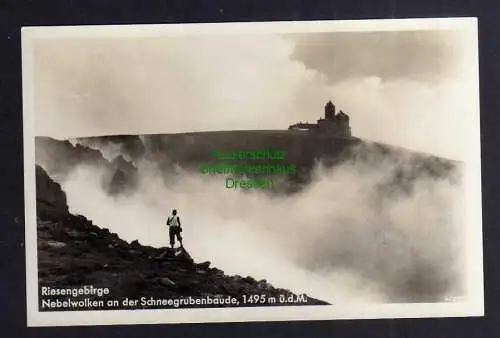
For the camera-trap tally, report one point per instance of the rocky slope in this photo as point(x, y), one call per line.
point(73, 252)
point(61, 157)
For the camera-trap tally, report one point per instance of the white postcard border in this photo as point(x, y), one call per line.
point(473, 306)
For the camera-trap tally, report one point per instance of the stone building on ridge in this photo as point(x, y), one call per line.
point(332, 123)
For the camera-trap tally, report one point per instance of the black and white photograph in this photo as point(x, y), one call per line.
point(266, 171)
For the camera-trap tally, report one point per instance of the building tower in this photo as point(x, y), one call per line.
point(342, 120)
point(329, 111)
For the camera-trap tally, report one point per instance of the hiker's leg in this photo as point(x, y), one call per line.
point(179, 237)
point(172, 237)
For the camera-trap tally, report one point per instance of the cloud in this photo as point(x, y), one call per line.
point(388, 55)
point(100, 86)
point(342, 239)
point(397, 87)
point(431, 118)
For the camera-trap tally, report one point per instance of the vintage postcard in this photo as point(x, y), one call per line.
point(231, 172)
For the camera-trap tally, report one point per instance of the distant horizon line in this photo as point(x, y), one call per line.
point(182, 132)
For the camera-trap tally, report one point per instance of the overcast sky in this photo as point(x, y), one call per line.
point(410, 89)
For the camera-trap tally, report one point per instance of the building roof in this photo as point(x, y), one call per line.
point(342, 114)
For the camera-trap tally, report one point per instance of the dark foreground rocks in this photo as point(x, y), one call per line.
point(73, 252)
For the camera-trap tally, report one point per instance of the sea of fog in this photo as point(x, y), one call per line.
point(340, 239)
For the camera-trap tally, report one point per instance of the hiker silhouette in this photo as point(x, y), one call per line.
point(174, 228)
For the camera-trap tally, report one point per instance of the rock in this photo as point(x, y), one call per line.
point(204, 265)
point(75, 235)
point(165, 254)
point(263, 284)
point(217, 272)
point(42, 225)
point(55, 244)
point(167, 281)
point(122, 176)
point(51, 201)
point(182, 255)
point(249, 280)
point(46, 244)
point(82, 220)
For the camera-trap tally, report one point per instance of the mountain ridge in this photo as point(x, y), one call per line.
point(304, 150)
